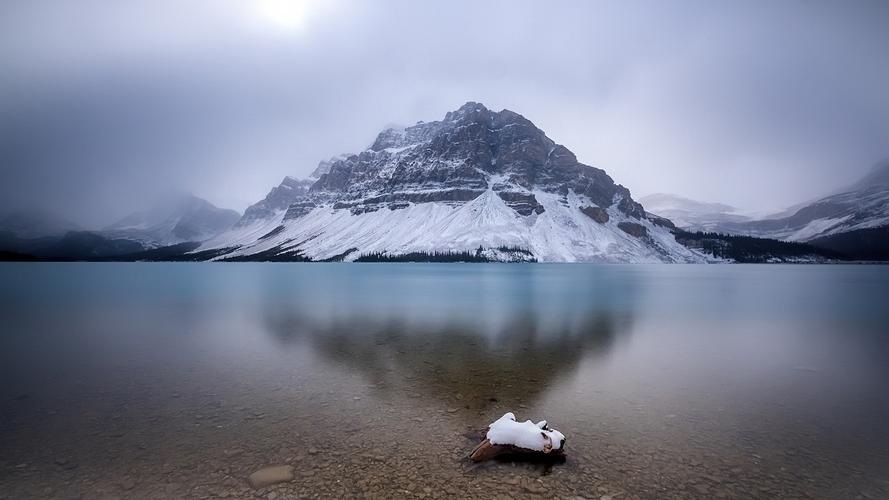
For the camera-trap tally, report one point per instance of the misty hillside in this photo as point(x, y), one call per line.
point(173, 220)
point(691, 214)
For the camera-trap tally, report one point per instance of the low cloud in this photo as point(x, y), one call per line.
point(105, 105)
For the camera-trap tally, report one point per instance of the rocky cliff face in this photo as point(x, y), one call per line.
point(476, 181)
point(455, 160)
point(277, 201)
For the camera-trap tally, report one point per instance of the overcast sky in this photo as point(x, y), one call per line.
point(105, 104)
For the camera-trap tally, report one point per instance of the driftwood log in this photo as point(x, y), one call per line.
point(487, 451)
point(507, 438)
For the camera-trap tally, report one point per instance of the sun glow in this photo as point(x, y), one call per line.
point(287, 14)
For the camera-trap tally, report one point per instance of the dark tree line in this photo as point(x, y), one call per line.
point(423, 257)
point(750, 248)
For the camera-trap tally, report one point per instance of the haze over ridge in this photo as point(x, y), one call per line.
point(105, 105)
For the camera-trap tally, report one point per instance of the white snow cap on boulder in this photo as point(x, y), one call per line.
point(527, 434)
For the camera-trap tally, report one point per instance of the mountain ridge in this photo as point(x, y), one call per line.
point(477, 179)
point(863, 204)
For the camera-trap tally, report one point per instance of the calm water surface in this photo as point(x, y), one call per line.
point(179, 380)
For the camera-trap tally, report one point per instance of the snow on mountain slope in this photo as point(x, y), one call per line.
point(863, 205)
point(479, 181)
point(176, 219)
point(560, 234)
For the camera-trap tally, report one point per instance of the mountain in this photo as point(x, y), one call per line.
point(691, 214)
point(861, 206)
point(277, 201)
point(477, 185)
point(166, 227)
point(281, 196)
point(852, 221)
point(177, 219)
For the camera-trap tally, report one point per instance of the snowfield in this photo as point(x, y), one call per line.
point(562, 233)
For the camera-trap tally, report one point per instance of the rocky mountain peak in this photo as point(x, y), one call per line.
point(454, 160)
point(471, 111)
point(475, 181)
point(277, 201)
point(324, 166)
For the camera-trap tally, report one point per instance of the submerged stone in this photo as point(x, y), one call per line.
point(271, 475)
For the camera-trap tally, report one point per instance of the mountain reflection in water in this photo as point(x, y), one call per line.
point(498, 342)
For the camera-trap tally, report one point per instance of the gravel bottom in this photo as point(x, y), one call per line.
point(345, 446)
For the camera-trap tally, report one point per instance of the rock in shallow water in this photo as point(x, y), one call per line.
point(271, 475)
point(507, 436)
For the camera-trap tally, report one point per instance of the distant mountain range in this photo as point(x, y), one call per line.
point(853, 220)
point(691, 214)
point(176, 220)
point(478, 185)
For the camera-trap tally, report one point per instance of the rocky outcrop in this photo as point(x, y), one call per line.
point(633, 229)
point(598, 214)
point(278, 200)
point(522, 203)
point(660, 221)
point(299, 208)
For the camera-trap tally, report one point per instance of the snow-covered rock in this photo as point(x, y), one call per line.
point(478, 182)
point(528, 435)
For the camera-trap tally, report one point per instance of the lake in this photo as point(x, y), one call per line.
point(150, 380)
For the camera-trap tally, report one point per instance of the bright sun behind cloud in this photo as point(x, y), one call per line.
point(286, 14)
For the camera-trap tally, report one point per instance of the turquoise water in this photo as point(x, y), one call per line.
point(148, 380)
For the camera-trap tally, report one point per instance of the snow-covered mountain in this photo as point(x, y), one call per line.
point(281, 196)
point(276, 202)
point(863, 205)
point(690, 214)
point(486, 183)
point(174, 220)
